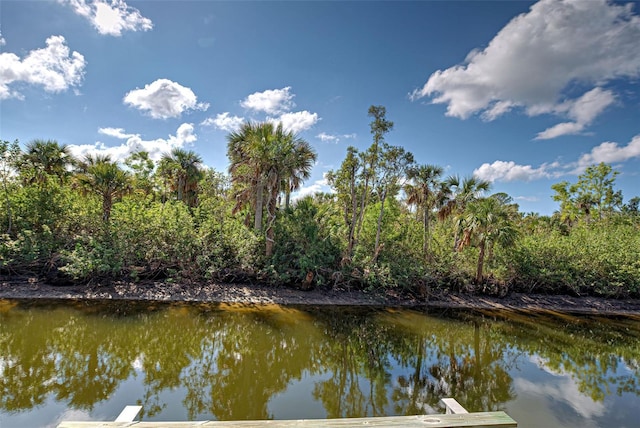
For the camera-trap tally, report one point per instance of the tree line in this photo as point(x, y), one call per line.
point(388, 222)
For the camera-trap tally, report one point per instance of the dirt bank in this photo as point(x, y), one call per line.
point(27, 288)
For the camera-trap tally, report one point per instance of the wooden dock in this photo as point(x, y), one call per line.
point(456, 416)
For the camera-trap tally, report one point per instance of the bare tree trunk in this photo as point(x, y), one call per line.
point(362, 206)
point(352, 226)
point(379, 228)
point(9, 214)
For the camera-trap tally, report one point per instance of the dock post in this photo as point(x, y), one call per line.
point(128, 414)
point(452, 406)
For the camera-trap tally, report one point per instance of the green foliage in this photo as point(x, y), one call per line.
point(308, 252)
point(600, 259)
point(77, 220)
point(91, 258)
point(229, 250)
point(265, 161)
point(593, 196)
point(160, 238)
point(26, 251)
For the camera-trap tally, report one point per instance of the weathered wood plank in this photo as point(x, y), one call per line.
point(470, 420)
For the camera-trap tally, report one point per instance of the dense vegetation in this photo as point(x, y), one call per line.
point(389, 222)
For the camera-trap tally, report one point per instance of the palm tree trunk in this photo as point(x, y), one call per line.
point(181, 186)
point(259, 204)
point(480, 262)
point(287, 198)
point(271, 219)
point(425, 234)
point(106, 207)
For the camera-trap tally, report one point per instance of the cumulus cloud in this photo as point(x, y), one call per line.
point(54, 68)
point(330, 138)
point(116, 133)
point(564, 128)
point(272, 101)
point(110, 18)
point(610, 152)
point(296, 122)
point(134, 143)
point(510, 171)
point(607, 152)
point(318, 186)
point(583, 110)
point(224, 122)
point(2, 40)
point(163, 99)
point(537, 57)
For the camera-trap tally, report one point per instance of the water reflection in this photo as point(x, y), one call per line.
point(232, 363)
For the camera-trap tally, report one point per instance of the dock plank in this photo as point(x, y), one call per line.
point(470, 420)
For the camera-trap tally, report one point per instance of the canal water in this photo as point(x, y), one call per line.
point(86, 361)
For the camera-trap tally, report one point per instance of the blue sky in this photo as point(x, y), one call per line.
point(524, 94)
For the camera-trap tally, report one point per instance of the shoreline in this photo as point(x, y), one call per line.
point(258, 294)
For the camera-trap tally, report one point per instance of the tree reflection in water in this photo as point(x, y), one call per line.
point(230, 362)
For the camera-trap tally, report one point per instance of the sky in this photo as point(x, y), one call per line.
point(523, 94)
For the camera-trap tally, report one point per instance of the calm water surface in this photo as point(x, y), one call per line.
point(86, 361)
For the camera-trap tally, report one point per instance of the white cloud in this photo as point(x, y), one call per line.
point(272, 101)
point(327, 137)
point(527, 198)
point(110, 18)
point(610, 152)
point(564, 128)
point(317, 187)
point(54, 67)
point(2, 40)
point(607, 152)
point(116, 133)
point(296, 122)
point(330, 138)
point(510, 171)
point(164, 99)
point(224, 122)
point(539, 55)
point(583, 110)
point(134, 143)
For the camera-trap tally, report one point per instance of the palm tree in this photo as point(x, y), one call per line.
point(289, 162)
point(106, 179)
point(456, 195)
point(487, 221)
point(264, 161)
point(422, 192)
point(42, 159)
point(246, 150)
point(298, 165)
point(182, 171)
